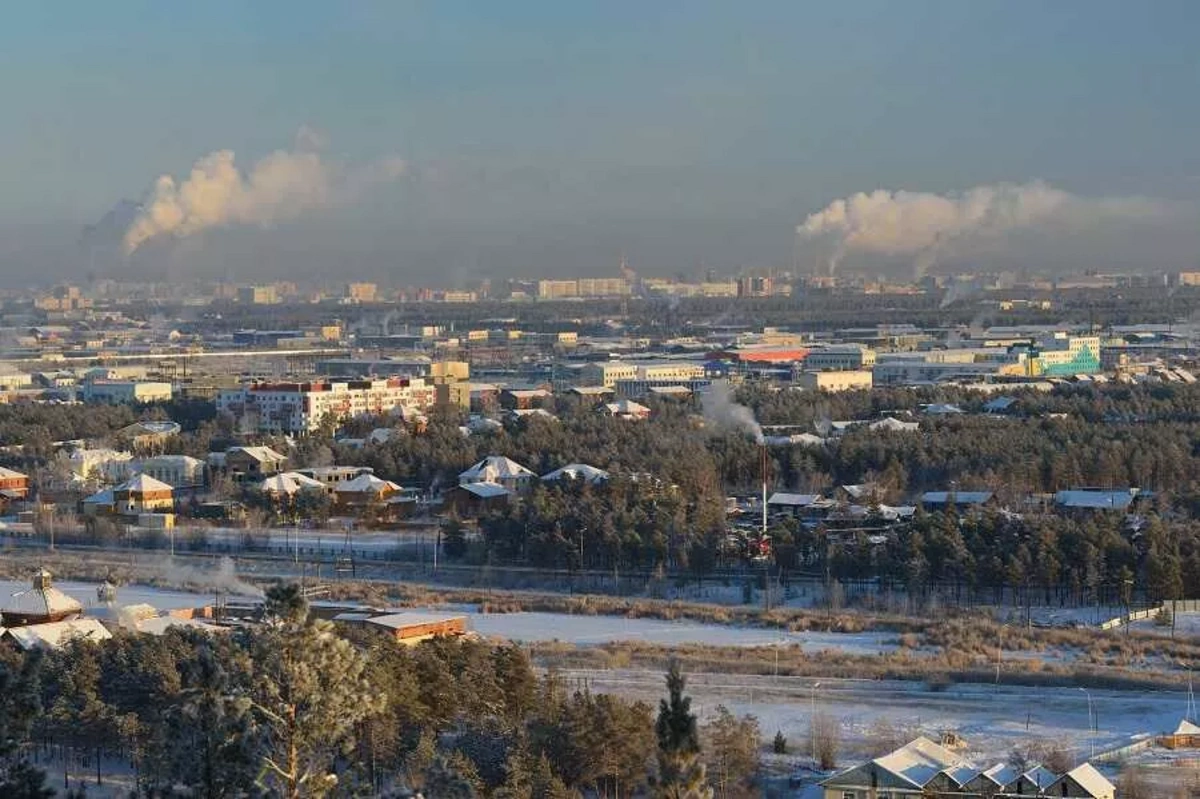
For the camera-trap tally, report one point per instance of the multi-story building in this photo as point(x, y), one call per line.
point(609, 373)
point(850, 357)
point(257, 295)
point(126, 392)
point(1062, 355)
point(452, 383)
point(302, 407)
point(836, 380)
point(604, 287)
point(177, 471)
point(557, 289)
point(361, 292)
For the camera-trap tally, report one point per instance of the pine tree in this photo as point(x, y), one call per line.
point(308, 692)
point(681, 773)
point(19, 705)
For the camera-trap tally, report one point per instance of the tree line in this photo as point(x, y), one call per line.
point(296, 707)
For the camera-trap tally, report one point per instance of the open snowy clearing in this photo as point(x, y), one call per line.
point(994, 719)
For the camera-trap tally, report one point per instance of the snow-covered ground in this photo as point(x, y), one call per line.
point(1186, 624)
point(85, 593)
point(994, 719)
point(531, 627)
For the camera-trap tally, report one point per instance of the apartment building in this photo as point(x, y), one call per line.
point(609, 373)
point(361, 292)
point(126, 392)
point(301, 407)
point(257, 295)
point(848, 357)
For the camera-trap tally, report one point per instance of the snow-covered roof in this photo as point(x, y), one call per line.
point(1187, 728)
point(367, 484)
point(527, 393)
point(626, 407)
point(485, 489)
point(260, 454)
point(289, 483)
point(175, 460)
point(397, 621)
point(105, 497)
point(942, 409)
point(1002, 774)
point(11, 474)
point(1040, 776)
point(521, 413)
point(495, 468)
point(918, 761)
point(143, 483)
point(54, 634)
point(961, 773)
point(159, 624)
point(895, 425)
point(1087, 777)
point(792, 500)
point(1085, 498)
point(42, 599)
point(800, 439)
point(482, 424)
point(959, 497)
point(166, 428)
point(577, 471)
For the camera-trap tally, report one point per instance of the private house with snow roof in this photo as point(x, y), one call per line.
point(922, 768)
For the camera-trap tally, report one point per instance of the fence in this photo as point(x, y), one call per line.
point(1173, 605)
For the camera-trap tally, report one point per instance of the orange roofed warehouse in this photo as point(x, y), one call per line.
point(409, 628)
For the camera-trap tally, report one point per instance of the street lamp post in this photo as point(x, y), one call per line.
point(812, 721)
point(1091, 724)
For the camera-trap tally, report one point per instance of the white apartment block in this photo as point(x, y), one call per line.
point(609, 373)
point(301, 407)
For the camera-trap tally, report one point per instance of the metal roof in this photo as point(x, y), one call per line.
point(56, 633)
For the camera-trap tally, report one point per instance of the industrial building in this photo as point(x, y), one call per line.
point(844, 380)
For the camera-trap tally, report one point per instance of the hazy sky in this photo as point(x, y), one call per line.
point(551, 136)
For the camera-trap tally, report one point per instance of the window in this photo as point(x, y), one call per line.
point(848, 795)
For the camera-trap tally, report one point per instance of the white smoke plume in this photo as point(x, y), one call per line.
point(223, 578)
point(931, 227)
point(279, 187)
point(719, 407)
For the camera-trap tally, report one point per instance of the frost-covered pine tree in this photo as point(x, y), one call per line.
point(681, 773)
point(308, 694)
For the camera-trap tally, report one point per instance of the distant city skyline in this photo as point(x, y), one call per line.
point(452, 142)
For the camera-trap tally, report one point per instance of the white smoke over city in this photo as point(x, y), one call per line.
point(929, 228)
point(720, 407)
point(281, 186)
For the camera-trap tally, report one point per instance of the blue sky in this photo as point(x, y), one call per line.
point(558, 134)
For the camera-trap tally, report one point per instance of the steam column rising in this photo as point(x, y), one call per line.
point(763, 450)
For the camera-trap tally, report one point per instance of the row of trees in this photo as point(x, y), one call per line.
point(294, 708)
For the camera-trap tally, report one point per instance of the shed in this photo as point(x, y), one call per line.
point(412, 628)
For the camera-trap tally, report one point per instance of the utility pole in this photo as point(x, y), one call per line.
point(812, 721)
point(1091, 724)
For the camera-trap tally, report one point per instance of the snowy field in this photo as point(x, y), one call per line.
point(584, 630)
point(993, 719)
point(85, 593)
